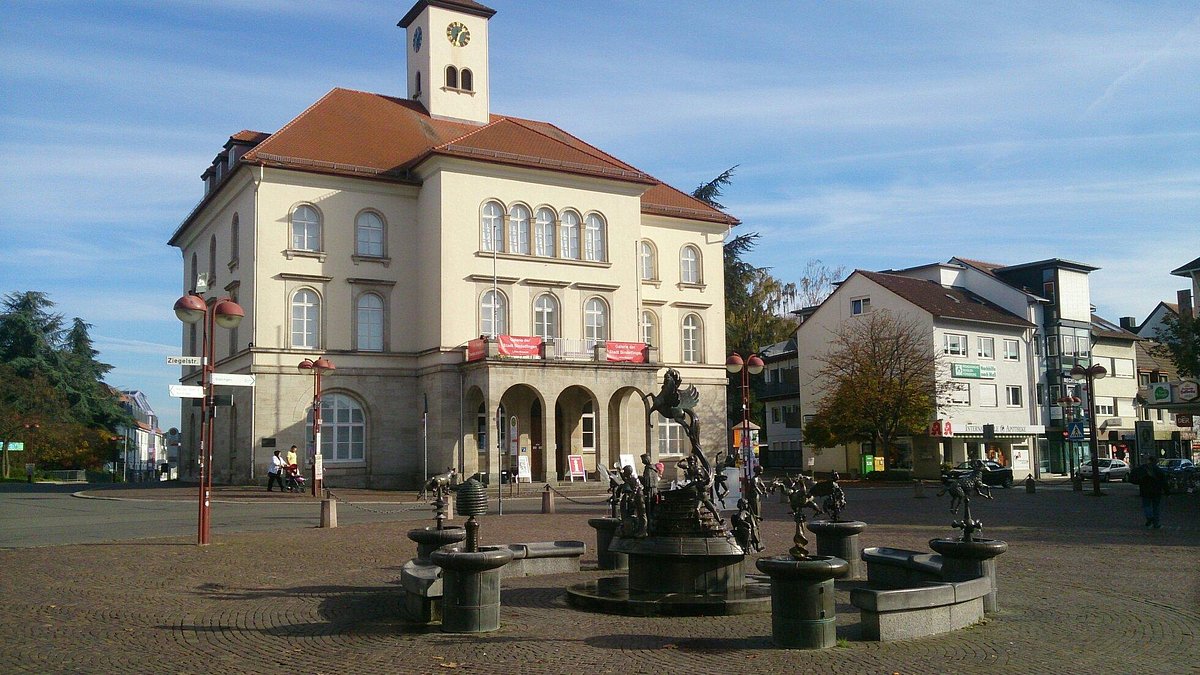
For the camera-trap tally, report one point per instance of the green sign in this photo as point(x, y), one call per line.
point(15, 446)
point(972, 371)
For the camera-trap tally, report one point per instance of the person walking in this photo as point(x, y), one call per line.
point(1152, 485)
point(275, 473)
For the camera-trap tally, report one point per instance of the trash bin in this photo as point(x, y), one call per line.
point(1030, 485)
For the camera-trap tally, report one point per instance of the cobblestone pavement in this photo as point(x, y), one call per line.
point(1083, 588)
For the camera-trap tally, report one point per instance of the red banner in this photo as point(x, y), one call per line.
point(628, 352)
point(476, 349)
point(519, 345)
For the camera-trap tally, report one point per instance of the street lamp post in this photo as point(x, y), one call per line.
point(316, 367)
point(752, 365)
point(223, 312)
point(1090, 375)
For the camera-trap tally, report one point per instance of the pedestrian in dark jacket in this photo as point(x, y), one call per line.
point(1152, 485)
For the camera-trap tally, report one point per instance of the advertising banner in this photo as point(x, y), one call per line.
point(476, 349)
point(519, 345)
point(627, 352)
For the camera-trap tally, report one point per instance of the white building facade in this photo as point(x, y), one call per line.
point(496, 294)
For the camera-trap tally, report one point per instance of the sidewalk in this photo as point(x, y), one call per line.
point(177, 491)
point(1083, 588)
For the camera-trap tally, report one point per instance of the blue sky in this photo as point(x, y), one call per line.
point(870, 135)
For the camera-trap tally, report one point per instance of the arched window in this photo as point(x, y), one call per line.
point(191, 283)
point(647, 261)
point(212, 260)
point(306, 229)
point(468, 82)
point(417, 90)
point(452, 77)
point(545, 317)
point(569, 227)
point(543, 236)
point(343, 429)
point(595, 322)
point(492, 223)
point(649, 327)
point(306, 317)
point(689, 265)
point(481, 436)
point(369, 322)
point(518, 228)
point(493, 314)
point(368, 234)
point(692, 339)
point(235, 244)
point(593, 240)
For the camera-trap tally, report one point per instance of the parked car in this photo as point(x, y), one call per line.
point(1110, 469)
point(1180, 472)
point(994, 475)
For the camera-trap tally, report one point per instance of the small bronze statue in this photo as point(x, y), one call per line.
point(720, 481)
point(799, 493)
point(960, 490)
point(439, 485)
point(835, 499)
point(633, 504)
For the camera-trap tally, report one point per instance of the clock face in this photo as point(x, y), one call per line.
point(458, 34)
point(418, 38)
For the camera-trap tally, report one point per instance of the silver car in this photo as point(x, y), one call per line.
point(1110, 469)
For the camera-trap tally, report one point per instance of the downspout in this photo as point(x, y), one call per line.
point(254, 324)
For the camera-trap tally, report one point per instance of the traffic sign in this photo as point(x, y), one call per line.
point(232, 380)
point(15, 446)
point(1075, 431)
point(185, 391)
point(185, 360)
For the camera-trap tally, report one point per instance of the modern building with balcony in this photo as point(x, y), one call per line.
point(494, 292)
point(142, 446)
point(779, 393)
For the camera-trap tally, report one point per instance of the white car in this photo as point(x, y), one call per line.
point(1110, 469)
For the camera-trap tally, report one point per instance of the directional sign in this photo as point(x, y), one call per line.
point(185, 360)
point(185, 391)
point(1075, 431)
point(231, 380)
point(15, 446)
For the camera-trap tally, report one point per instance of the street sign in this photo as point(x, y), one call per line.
point(185, 391)
point(185, 360)
point(1075, 431)
point(15, 446)
point(231, 380)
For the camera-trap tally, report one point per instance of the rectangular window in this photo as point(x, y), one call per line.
point(960, 393)
point(1068, 345)
point(1106, 407)
point(1048, 290)
point(1041, 394)
point(1122, 368)
point(1144, 379)
point(954, 344)
point(1083, 343)
point(1051, 345)
point(1012, 394)
point(670, 438)
point(987, 395)
point(860, 306)
point(1012, 350)
point(985, 347)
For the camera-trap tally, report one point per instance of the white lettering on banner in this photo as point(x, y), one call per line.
point(1018, 429)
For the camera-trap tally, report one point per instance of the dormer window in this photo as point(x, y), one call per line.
point(451, 77)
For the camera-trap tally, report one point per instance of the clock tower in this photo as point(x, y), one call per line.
point(447, 45)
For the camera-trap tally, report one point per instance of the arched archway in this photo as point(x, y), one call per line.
point(524, 431)
point(628, 433)
point(578, 420)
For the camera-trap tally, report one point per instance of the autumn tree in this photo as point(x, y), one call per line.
point(879, 382)
point(1178, 340)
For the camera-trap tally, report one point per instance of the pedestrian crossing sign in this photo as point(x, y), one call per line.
point(1075, 431)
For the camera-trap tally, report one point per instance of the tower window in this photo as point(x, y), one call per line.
point(451, 77)
point(467, 80)
point(417, 90)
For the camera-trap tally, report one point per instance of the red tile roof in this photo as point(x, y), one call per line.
point(362, 134)
point(944, 302)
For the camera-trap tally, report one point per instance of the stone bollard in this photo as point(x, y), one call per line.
point(547, 500)
point(329, 513)
point(919, 489)
point(606, 529)
point(1030, 485)
point(803, 608)
point(1076, 483)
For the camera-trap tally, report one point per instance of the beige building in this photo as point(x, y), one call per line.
point(521, 286)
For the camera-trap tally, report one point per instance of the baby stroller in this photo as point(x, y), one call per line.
point(294, 481)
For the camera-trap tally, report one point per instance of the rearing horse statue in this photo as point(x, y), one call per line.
point(677, 405)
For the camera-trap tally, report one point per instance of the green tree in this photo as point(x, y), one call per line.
point(879, 382)
point(1179, 342)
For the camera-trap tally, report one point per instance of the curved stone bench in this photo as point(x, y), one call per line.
point(928, 608)
point(901, 568)
point(544, 557)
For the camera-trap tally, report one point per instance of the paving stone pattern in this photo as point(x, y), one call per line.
point(1083, 589)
